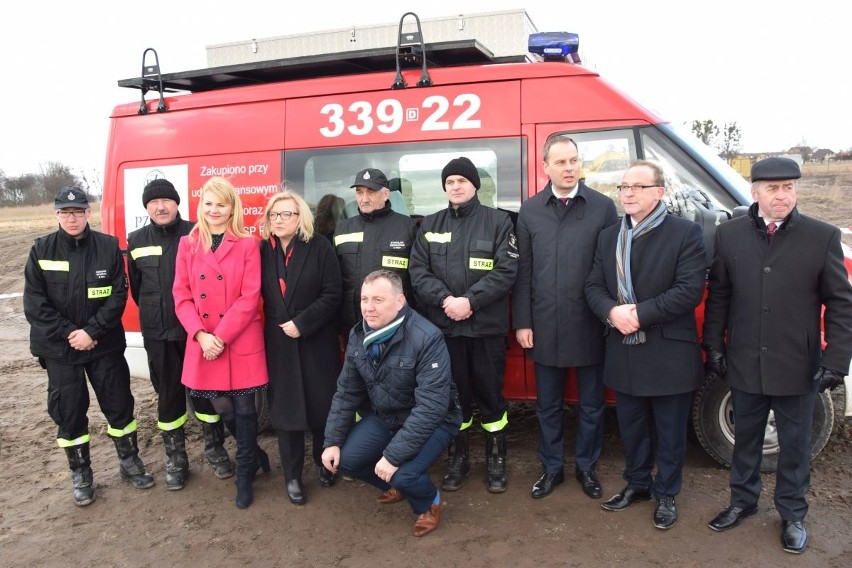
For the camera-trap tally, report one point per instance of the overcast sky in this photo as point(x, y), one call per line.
point(781, 73)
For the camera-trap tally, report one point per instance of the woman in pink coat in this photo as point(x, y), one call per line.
point(217, 300)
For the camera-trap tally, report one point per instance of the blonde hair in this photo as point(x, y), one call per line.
point(306, 217)
point(223, 190)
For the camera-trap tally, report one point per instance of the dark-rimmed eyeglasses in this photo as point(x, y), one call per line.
point(283, 215)
point(636, 188)
point(78, 213)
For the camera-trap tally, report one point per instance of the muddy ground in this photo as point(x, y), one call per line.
point(343, 526)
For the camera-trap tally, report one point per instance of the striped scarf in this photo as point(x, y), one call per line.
point(626, 236)
point(375, 339)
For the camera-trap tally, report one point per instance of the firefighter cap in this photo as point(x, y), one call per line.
point(371, 178)
point(71, 196)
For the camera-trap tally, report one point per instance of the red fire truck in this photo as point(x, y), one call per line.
point(312, 122)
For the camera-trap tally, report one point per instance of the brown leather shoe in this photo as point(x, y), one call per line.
point(428, 521)
point(390, 497)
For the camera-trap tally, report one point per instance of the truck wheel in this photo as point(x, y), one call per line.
point(713, 424)
point(261, 404)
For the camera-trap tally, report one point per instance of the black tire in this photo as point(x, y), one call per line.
point(713, 424)
point(261, 403)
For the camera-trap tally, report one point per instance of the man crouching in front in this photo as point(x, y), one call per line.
point(397, 376)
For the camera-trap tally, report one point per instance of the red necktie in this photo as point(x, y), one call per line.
point(564, 200)
point(770, 230)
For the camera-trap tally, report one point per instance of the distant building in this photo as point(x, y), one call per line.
point(795, 157)
point(823, 155)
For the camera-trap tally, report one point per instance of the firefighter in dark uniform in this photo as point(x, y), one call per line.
point(378, 237)
point(151, 266)
point(74, 295)
point(463, 265)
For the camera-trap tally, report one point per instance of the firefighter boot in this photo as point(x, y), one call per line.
point(250, 458)
point(458, 466)
point(81, 474)
point(214, 449)
point(177, 462)
point(495, 460)
point(130, 466)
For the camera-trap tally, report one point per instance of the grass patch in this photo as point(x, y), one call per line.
point(820, 169)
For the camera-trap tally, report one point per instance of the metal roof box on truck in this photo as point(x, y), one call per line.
point(314, 120)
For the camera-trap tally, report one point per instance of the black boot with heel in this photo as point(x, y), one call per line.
point(250, 458)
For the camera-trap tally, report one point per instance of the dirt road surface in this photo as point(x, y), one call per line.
point(343, 526)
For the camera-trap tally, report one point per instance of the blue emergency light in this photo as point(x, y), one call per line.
point(555, 45)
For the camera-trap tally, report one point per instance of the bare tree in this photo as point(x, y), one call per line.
point(22, 190)
point(725, 139)
point(729, 141)
point(36, 189)
point(706, 131)
point(6, 192)
point(55, 176)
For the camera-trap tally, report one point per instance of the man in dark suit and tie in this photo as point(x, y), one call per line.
point(772, 273)
point(557, 233)
point(646, 280)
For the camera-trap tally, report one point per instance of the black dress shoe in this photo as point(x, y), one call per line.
point(666, 513)
point(794, 537)
point(295, 492)
point(731, 517)
point(546, 484)
point(589, 481)
point(326, 478)
point(627, 497)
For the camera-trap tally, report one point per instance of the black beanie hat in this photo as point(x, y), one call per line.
point(159, 189)
point(460, 167)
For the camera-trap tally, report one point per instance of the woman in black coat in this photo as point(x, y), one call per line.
point(301, 289)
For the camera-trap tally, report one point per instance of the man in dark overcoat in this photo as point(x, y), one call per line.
point(557, 233)
point(646, 281)
point(772, 273)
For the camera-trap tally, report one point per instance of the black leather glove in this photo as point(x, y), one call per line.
point(827, 379)
point(715, 363)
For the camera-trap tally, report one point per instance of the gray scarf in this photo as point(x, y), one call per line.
point(626, 236)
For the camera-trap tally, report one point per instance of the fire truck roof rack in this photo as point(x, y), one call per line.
point(410, 49)
point(439, 54)
point(152, 80)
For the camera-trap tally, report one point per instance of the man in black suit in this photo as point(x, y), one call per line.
point(557, 233)
point(772, 273)
point(646, 280)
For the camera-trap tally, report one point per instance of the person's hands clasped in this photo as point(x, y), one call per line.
point(624, 318)
point(385, 469)
point(290, 330)
point(211, 345)
point(81, 341)
point(457, 308)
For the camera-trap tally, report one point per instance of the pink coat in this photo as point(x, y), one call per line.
point(219, 292)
